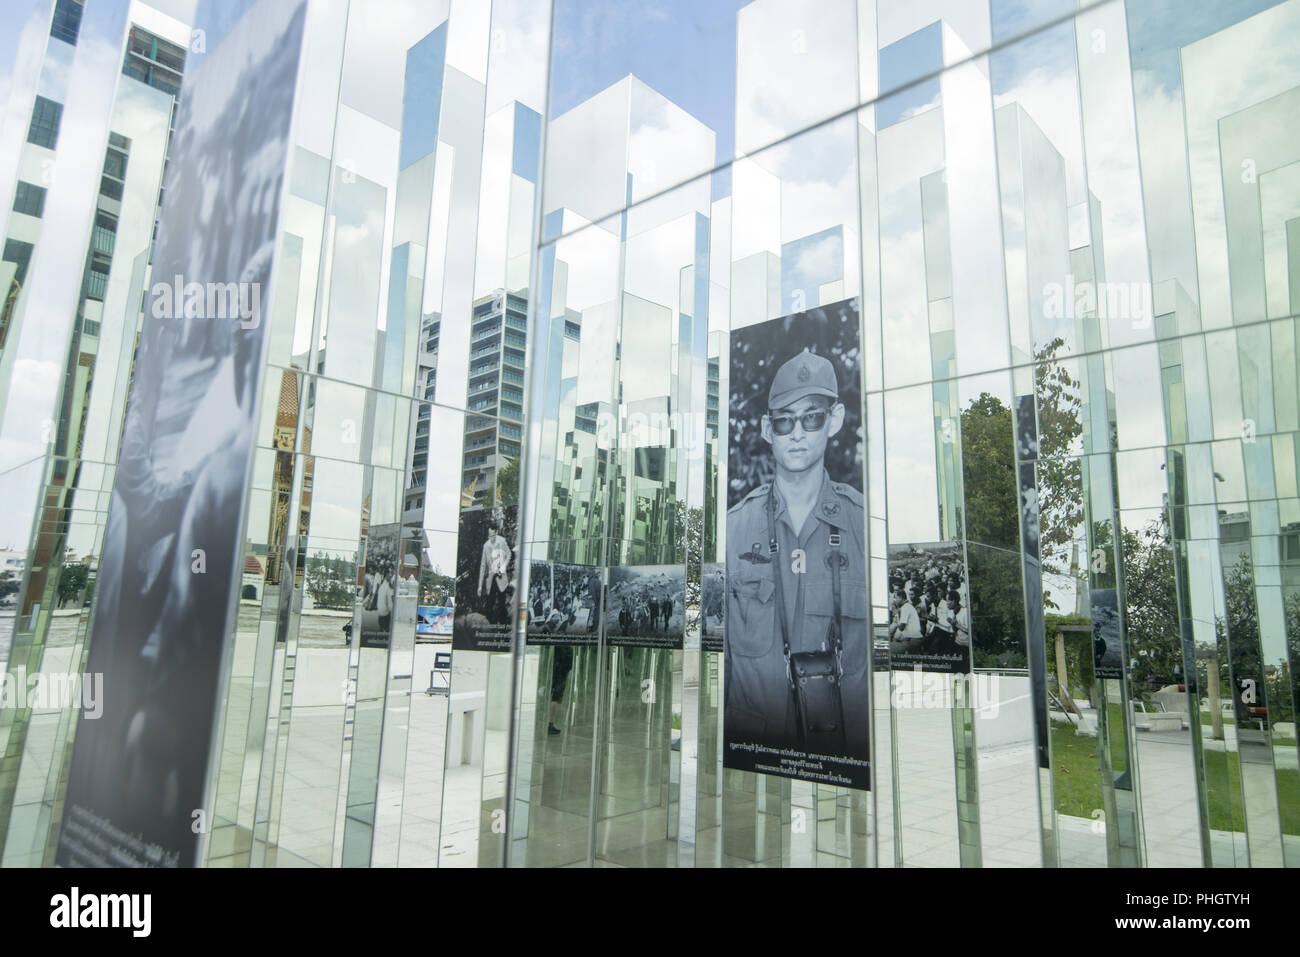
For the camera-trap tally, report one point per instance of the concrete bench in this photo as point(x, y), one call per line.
point(1157, 721)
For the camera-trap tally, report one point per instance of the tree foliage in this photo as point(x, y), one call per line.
point(997, 612)
point(507, 483)
point(72, 579)
point(1151, 622)
point(1058, 397)
point(692, 521)
point(1240, 629)
point(331, 581)
point(436, 588)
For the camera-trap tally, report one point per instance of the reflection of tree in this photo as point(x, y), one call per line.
point(993, 533)
point(1276, 685)
point(1151, 605)
point(992, 502)
point(507, 483)
point(72, 578)
point(692, 520)
point(1288, 679)
point(1060, 505)
point(331, 580)
point(436, 588)
point(1074, 634)
point(989, 474)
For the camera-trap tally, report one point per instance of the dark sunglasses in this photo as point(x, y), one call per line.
point(811, 422)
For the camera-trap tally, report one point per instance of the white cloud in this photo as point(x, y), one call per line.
point(517, 54)
point(796, 64)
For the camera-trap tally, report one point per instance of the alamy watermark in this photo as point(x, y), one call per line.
point(934, 691)
point(1105, 300)
point(47, 691)
point(687, 432)
point(208, 300)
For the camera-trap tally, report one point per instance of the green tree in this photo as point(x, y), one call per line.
point(989, 474)
point(1058, 398)
point(507, 484)
point(436, 588)
point(992, 514)
point(331, 581)
point(692, 520)
point(1151, 621)
point(72, 579)
point(1241, 631)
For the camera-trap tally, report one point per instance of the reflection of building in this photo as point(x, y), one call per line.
point(426, 382)
point(110, 295)
point(495, 400)
point(12, 565)
point(286, 432)
point(1236, 547)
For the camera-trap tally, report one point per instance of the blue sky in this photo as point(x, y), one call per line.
point(685, 49)
point(1157, 28)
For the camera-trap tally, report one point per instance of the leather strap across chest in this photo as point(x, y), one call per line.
point(774, 550)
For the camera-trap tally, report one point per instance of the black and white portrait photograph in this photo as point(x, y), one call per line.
point(713, 605)
point(173, 542)
point(797, 700)
point(485, 579)
point(1108, 660)
point(929, 608)
point(563, 604)
point(379, 587)
point(646, 605)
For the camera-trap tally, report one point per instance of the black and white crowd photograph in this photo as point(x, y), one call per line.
point(929, 608)
point(797, 698)
point(485, 579)
point(645, 606)
point(563, 604)
point(379, 588)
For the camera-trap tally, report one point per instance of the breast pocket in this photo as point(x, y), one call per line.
point(750, 625)
point(820, 609)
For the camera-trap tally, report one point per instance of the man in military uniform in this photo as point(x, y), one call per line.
point(785, 542)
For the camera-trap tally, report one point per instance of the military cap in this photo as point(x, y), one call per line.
point(805, 374)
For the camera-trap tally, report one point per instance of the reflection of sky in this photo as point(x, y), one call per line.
point(902, 62)
point(807, 265)
point(1157, 28)
point(1010, 17)
point(685, 50)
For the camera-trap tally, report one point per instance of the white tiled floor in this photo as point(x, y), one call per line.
point(639, 793)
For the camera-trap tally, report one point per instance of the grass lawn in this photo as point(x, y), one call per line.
point(1076, 776)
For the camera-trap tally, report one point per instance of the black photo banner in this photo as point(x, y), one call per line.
point(713, 605)
point(797, 637)
point(646, 606)
point(379, 586)
point(929, 608)
point(563, 604)
point(173, 546)
point(485, 579)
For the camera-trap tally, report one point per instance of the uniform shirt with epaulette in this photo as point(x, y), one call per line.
point(759, 700)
